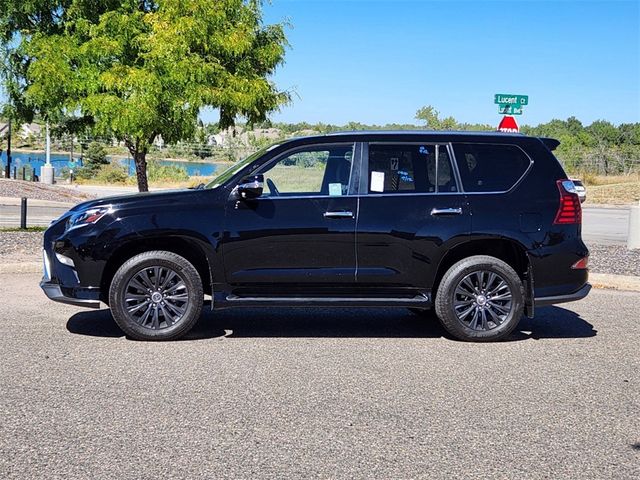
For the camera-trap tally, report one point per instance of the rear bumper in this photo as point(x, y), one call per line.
point(572, 297)
point(54, 292)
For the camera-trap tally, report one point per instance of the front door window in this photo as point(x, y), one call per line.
point(311, 171)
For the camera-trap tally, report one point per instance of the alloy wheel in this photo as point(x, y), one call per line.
point(156, 297)
point(482, 300)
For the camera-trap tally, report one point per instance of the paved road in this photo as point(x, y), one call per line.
point(37, 215)
point(318, 394)
point(607, 226)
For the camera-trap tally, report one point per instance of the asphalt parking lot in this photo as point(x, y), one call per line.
point(317, 393)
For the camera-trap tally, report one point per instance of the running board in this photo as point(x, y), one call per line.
point(419, 301)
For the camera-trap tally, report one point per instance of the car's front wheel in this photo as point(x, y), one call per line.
point(156, 295)
point(480, 298)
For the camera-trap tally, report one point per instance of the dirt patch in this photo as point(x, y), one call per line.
point(39, 191)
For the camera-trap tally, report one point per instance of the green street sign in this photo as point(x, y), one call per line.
point(504, 109)
point(510, 99)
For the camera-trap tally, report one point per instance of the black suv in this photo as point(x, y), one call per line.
point(483, 227)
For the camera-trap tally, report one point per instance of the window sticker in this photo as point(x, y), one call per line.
point(377, 181)
point(405, 176)
point(394, 163)
point(423, 150)
point(335, 189)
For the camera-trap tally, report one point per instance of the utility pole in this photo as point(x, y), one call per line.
point(8, 169)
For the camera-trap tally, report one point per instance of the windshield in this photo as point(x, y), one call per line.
point(236, 167)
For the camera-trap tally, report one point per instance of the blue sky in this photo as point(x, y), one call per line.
point(379, 61)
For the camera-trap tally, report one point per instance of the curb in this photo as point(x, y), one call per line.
point(598, 280)
point(615, 282)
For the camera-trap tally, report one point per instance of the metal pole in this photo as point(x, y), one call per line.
point(8, 174)
point(46, 172)
point(23, 213)
point(48, 148)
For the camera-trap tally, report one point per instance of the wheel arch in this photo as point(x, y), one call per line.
point(188, 248)
point(508, 250)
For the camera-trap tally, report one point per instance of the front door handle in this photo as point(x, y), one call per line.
point(341, 214)
point(446, 211)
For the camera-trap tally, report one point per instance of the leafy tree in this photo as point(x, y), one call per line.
point(139, 69)
point(431, 117)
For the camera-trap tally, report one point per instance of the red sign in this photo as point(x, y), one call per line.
point(508, 124)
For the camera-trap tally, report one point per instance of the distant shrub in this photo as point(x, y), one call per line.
point(94, 158)
point(157, 172)
point(112, 173)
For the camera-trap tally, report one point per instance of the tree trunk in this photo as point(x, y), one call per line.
point(141, 170)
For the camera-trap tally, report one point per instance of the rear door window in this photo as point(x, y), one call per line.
point(490, 168)
point(410, 168)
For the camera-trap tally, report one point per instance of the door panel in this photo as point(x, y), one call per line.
point(400, 243)
point(277, 242)
point(299, 236)
point(413, 213)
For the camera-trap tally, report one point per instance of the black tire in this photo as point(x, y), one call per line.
point(171, 316)
point(486, 311)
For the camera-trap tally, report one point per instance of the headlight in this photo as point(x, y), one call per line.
point(87, 217)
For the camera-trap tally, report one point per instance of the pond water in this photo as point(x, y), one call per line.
point(36, 160)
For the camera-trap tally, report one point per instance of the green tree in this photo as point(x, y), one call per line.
point(139, 69)
point(431, 117)
point(95, 156)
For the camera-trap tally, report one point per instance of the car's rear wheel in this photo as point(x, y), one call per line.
point(156, 295)
point(480, 298)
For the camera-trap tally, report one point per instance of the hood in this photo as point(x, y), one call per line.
point(134, 198)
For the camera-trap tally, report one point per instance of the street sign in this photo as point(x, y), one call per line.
point(508, 125)
point(511, 99)
point(509, 109)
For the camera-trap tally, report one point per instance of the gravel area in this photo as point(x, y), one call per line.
point(39, 191)
point(614, 259)
point(18, 247)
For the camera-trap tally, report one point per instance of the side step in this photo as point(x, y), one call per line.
point(419, 301)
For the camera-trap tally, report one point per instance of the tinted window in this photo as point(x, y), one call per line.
point(410, 169)
point(315, 170)
point(490, 168)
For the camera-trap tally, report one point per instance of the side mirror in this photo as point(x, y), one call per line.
point(250, 187)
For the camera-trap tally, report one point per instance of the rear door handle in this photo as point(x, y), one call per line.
point(446, 211)
point(338, 214)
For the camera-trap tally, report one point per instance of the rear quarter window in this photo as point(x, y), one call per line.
point(490, 168)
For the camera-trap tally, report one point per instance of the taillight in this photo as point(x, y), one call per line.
point(581, 264)
point(569, 210)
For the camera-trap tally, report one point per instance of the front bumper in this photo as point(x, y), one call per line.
point(60, 281)
point(55, 293)
point(572, 297)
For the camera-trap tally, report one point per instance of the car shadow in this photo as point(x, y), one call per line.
point(550, 322)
